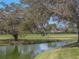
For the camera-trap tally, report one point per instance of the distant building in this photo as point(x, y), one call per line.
point(62, 25)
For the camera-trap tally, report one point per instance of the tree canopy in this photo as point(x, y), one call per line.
point(16, 18)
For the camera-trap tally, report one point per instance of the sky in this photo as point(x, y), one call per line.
point(8, 2)
point(11, 1)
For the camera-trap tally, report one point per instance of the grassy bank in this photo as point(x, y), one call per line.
point(39, 37)
point(65, 53)
point(6, 37)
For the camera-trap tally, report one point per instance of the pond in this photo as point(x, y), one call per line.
point(27, 51)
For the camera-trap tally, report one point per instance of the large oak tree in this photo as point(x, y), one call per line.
point(68, 9)
point(37, 14)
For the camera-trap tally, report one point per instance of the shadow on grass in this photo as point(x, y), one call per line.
point(75, 44)
point(20, 41)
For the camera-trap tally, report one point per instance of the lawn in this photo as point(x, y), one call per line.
point(60, 53)
point(39, 36)
point(3, 37)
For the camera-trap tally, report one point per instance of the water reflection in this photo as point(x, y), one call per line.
point(26, 51)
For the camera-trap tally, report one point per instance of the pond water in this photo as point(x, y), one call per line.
point(27, 51)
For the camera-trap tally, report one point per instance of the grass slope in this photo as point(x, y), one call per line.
point(62, 53)
point(39, 36)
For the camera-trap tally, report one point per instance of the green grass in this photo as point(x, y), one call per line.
point(39, 36)
point(6, 37)
point(50, 36)
point(61, 53)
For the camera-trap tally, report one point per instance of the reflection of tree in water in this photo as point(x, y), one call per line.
point(27, 51)
point(16, 54)
point(13, 54)
point(2, 52)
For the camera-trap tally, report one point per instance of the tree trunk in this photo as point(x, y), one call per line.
point(15, 37)
point(78, 31)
